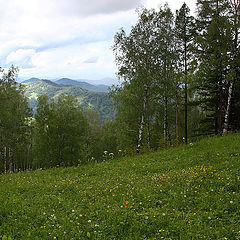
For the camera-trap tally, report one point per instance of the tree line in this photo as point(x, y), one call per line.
point(179, 82)
point(180, 74)
point(61, 133)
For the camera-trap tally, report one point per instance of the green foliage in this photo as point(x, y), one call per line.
point(217, 54)
point(185, 193)
point(60, 130)
point(15, 130)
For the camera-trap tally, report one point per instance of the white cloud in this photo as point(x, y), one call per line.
point(21, 57)
point(59, 38)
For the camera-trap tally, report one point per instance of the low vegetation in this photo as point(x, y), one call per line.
point(187, 192)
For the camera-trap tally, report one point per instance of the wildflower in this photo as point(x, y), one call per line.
point(131, 206)
point(89, 221)
point(126, 202)
point(125, 206)
point(231, 202)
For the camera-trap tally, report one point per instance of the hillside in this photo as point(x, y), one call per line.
point(84, 85)
point(188, 192)
point(88, 99)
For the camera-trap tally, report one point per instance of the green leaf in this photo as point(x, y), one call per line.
point(88, 234)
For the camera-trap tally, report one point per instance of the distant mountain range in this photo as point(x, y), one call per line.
point(91, 85)
point(89, 96)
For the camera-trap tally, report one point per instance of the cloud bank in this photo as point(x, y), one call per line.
point(64, 38)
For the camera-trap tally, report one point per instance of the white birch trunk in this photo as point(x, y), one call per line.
point(141, 127)
point(226, 119)
point(140, 133)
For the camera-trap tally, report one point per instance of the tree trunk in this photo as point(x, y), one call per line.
point(220, 108)
point(238, 121)
point(216, 118)
point(140, 133)
point(165, 120)
point(60, 157)
point(10, 160)
point(5, 159)
point(177, 117)
point(226, 120)
point(185, 93)
point(141, 127)
point(148, 135)
point(3, 154)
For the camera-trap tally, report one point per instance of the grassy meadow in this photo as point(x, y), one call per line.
point(187, 192)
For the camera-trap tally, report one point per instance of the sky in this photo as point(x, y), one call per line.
point(67, 38)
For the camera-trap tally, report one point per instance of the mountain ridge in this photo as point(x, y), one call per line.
point(101, 85)
point(99, 101)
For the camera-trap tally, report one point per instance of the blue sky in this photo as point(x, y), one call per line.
point(66, 38)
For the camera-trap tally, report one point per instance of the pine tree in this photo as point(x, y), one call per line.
point(184, 33)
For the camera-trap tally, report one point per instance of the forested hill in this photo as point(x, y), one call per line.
point(83, 84)
point(88, 99)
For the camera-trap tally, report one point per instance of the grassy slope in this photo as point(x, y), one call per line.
point(188, 192)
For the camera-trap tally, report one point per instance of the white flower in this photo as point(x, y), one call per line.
point(89, 221)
